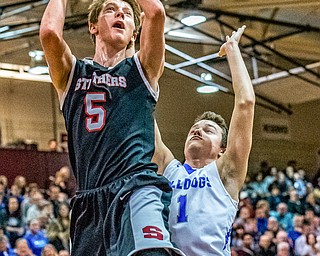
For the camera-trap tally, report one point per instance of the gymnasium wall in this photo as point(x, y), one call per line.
point(30, 111)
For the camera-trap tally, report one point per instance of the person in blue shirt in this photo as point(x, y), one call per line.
point(35, 237)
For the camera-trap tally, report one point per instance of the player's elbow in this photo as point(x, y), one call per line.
point(157, 12)
point(48, 34)
point(247, 103)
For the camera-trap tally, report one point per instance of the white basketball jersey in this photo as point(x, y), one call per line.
point(201, 210)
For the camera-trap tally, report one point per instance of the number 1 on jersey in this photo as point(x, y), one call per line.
point(182, 217)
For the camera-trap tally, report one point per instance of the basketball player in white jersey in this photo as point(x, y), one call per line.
point(206, 186)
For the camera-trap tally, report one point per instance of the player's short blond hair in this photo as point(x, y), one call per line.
point(97, 5)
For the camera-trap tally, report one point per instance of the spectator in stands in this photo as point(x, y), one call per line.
point(283, 217)
point(53, 193)
point(64, 253)
point(64, 180)
point(3, 199)
point(266, 247)
point(27, 202)
point(4, 182)
point(262, 220)
point(49, 250)
point(300, 186)
point(316, 226)
point(270, 177)
point(275, 197)
point(21, 182)
point(251, 227)
point(283, 183)
point(303, 175)
point(59, 229)
point(297, 228)
point(247, 248)
point(16, 192)
point(245, 201)
point(309, 215)
point(14, 227)
point(289, 173)
point(53, 145)
point(238, 232)
point(282, 236)
point(272, 235)
point(301, 241)
point(283, 249)
point(311, 203)
point(294, 204)
point(34, 210)
point(273, 225)
point(244, 215)
point(46, 214)
point(63, 197)
point(35, 237)
point(311, 249)
point(258, 190)
point(22, 248)
point(264, 204)
point(5, 249)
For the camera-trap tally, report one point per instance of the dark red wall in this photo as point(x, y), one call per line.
point(35, 165)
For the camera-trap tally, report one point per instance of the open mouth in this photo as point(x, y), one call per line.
point(118, 24)
point(196, 138)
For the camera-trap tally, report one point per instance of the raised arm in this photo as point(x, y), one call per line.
point(162, 155)
point(57, 52)
point(152, 50)
point(234, 162)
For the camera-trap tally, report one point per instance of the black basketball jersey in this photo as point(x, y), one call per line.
point(109, 120)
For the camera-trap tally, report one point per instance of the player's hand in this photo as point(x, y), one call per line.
point(235, 38)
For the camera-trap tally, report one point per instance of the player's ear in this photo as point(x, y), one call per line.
point(221, 152)
point(93, 28)
point(134, 37)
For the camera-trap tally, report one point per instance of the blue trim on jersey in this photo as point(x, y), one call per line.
point(188, 168)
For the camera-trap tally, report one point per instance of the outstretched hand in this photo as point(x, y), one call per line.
point(235, 37)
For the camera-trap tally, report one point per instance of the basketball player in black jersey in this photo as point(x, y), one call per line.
point(121, 207)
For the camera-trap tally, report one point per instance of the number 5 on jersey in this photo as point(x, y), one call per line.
point(96, 115)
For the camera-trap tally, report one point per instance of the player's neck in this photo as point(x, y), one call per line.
point(108, 56)
point(198, 162)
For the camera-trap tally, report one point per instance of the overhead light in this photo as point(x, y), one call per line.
point(193, 20)
point(207, 88)
point(206, 76)
point(36, 55)
point(39, 70)
point(38, 65)
point(181, 34)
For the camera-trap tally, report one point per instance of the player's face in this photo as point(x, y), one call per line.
point(116, 22)
point(204, 138)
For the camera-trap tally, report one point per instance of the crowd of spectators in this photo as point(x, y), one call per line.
point(35, 221)
point(279, 214)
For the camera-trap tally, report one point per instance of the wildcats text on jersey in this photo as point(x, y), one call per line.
point(196, 182)
point(103, 80)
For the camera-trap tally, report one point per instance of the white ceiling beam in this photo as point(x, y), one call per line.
point(283, 74)
point(253, 4)
point(20, 72)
